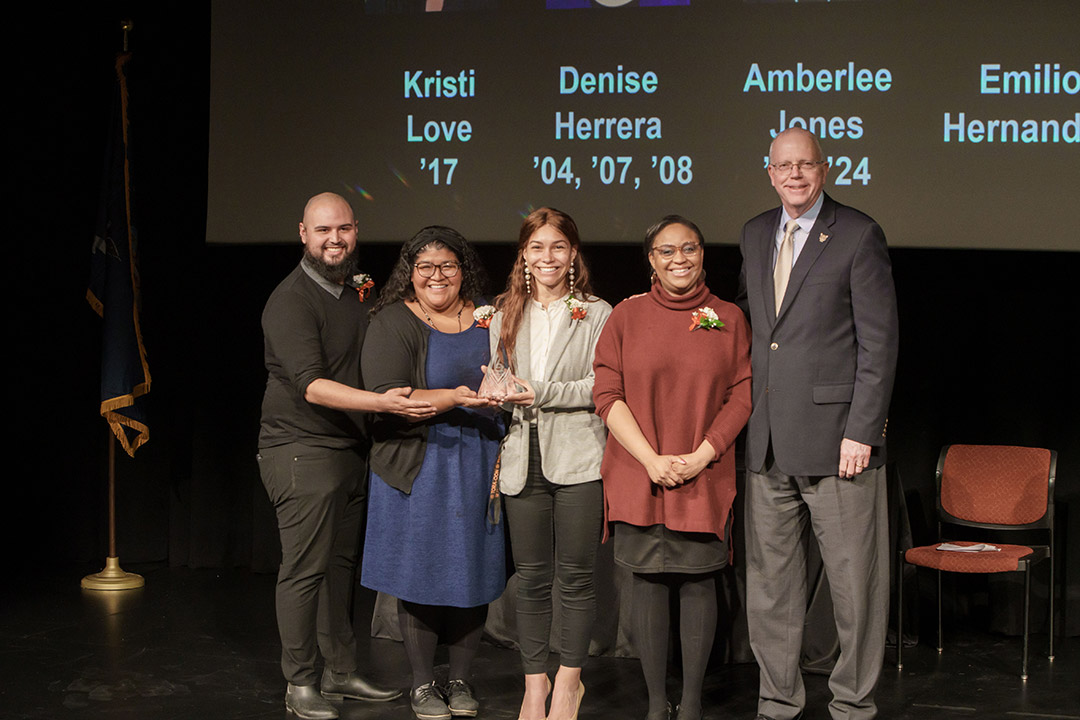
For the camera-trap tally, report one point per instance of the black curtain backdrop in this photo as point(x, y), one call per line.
point(988, 339)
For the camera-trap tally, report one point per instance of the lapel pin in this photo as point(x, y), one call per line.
point(823, 237)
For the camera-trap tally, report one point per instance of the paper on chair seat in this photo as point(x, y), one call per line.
point(979, 547)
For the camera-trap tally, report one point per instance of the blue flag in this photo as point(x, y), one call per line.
point(114, 286)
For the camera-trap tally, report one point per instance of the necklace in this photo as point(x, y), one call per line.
point(432, 322)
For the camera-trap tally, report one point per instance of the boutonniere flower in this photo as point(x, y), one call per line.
point(705, 318)
point(577, 308)
point(362, 283)
point(483, 314)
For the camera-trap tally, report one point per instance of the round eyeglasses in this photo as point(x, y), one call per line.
point(448, 269)
point(667, 252)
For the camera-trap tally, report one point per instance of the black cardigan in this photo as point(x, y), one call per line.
point(395, 355)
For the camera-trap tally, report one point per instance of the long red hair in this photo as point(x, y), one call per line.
point(512, 300)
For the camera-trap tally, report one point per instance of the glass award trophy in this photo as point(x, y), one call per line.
point(498, 380)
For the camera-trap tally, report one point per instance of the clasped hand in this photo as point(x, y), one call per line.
point(675, 470)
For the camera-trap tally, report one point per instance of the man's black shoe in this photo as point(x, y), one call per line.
point(351, 685)
point(305, 702)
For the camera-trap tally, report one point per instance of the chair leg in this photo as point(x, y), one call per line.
point(1051, 559)
point(900, 612)
point(1027, 602)
point(939, 641)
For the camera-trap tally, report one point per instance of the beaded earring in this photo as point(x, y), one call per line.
point(528, 281)
point(571, 280)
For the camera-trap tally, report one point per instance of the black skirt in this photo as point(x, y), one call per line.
point(656, 549)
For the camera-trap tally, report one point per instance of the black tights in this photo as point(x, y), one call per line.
point(420, 628)
point(697, 626)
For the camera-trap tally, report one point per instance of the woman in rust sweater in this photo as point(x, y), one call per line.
point(673, 385)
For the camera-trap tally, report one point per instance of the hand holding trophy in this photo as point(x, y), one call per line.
point(498, 382)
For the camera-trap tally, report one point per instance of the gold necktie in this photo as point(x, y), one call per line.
point(782, 270)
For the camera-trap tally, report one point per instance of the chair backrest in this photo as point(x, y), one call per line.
point(996, 485)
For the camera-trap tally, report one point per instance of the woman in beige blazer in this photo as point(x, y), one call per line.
point(546, 327)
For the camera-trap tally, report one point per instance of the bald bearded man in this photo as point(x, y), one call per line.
point(313, 456)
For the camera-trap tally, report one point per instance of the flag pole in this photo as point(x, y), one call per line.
point(113, 576)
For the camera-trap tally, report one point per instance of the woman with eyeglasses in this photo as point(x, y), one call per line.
point(673, 385)
point(428, 541)
point(546, 328)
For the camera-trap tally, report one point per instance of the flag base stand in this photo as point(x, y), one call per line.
point(113, 578)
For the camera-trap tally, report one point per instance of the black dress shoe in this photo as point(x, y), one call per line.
point(305, 702)
point(351, 685)
point(428, 704)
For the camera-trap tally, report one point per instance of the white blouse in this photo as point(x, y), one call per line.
point(541, 329)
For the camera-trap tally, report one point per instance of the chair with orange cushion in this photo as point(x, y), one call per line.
point(998, 488)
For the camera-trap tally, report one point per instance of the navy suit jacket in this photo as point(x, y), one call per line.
point(823, 369)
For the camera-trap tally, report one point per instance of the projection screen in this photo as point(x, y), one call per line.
point(954, 124)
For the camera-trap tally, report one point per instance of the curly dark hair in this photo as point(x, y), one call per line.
point(434, 237)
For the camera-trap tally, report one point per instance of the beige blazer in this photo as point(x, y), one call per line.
point(571, 435)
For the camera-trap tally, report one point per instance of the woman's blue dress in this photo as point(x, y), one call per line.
point(434, 546)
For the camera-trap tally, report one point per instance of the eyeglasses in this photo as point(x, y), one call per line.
point(667, 252)
point(806, 166)
point(448, 269)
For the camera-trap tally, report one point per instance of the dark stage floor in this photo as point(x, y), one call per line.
point(203, 644)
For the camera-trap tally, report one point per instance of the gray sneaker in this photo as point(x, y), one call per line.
point(461, 699)
point(428, 704)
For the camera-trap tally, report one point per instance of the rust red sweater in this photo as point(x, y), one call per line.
point(682, 386)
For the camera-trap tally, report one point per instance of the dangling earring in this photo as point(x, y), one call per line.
point(571, 280)
point(528, 283)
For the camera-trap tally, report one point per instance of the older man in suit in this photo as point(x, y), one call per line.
point(817, 285)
